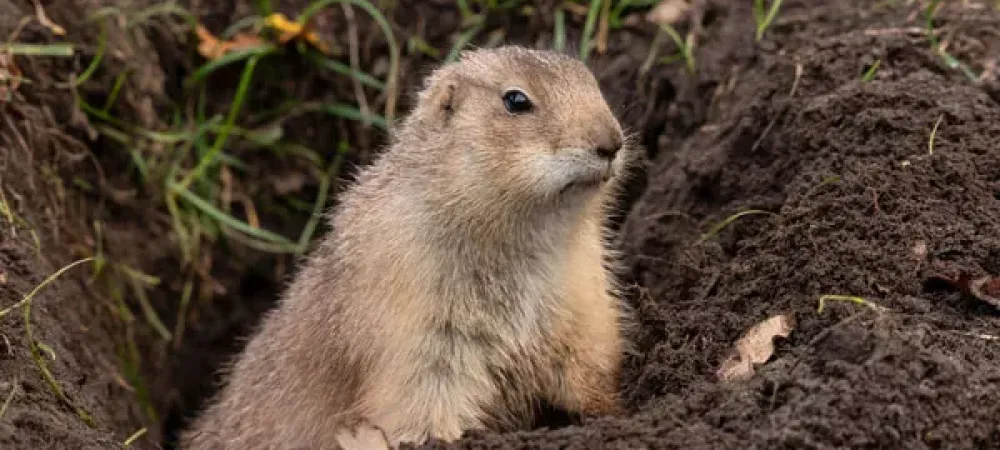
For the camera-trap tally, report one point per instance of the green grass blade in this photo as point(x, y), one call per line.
point(462, 41)
point(588, 29)
point(61, 50)
point(231, 58)
point(228, 220)
point(344, 69)
point(559, 40)
point(723, 224)
point(763, 25)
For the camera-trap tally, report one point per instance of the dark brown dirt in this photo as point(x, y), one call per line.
point(761, 126)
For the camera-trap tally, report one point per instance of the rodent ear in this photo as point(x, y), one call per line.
point(443, 96)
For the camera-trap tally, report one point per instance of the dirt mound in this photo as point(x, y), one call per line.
point(844, 157)
point(854, 204)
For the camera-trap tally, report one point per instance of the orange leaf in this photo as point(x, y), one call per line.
point(212, 48)
point(289, 30)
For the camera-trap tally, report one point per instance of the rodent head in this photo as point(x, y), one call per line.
point(526, 125)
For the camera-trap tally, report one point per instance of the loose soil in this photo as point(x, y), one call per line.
point(872, 189)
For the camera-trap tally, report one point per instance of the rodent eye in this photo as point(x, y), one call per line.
point(516, 102)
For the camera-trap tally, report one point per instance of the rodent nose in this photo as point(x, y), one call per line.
point(609, 146)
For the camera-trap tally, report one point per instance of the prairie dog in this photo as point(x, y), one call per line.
point(465, 278)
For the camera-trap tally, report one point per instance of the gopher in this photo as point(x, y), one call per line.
point(467, 276)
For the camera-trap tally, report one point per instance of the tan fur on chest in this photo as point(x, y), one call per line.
point(474, 365)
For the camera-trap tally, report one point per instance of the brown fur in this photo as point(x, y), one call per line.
point(460, 284)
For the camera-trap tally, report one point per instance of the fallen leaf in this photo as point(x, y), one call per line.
point(755, 347)
point(668, 12)
point(289, 30)
point(986, 289)
point(3, 277)
point(212, 48)
point(956, 277)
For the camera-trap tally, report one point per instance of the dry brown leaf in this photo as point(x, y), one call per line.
point(212, 48)
point(986, 289)
point(289, 30)
point(668, 12)
point(755, 347)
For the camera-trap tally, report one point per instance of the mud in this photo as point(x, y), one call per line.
point(865, 188)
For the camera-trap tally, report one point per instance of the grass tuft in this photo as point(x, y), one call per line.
point(587, 39)
point(949, 61)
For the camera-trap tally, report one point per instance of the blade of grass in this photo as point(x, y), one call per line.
point(723, 224)
point(10, 397)
point(763, 25)
point(228, 220)
point(33, 346)
point(27, 298)
point(683, 46)
point(559, 38)
point(246, 22)
point(845, 298)
point(870, 73)
point(182, 310)
point(134, 437)
point(930, 141)
point(139, 281)
point(16, 49)
point(344, 69)
point(166, 8)
point(348, 112)
point(462, 41)
point(115, 90)
point(588, 29)
point(230, 58)
point(321, 197)
point(102, 44)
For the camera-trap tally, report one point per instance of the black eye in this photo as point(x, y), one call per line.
point(516, 102)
